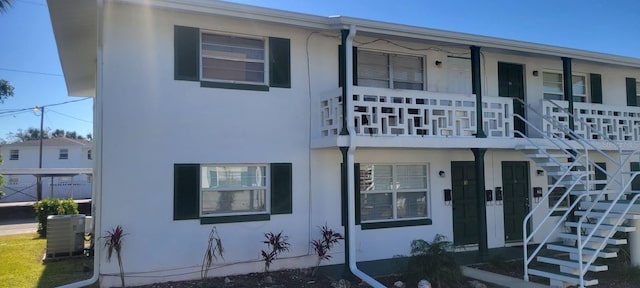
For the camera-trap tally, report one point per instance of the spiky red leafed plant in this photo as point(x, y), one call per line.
point(323, 245)
point(113, 242)
point(277, 243)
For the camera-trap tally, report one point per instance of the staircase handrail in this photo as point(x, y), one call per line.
point(618, 222)
point(589, 128)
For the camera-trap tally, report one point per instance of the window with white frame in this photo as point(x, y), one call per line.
point(234, 189)
point(637, 93)
point(233, 59)
point(386, 70)
point(89, 154)
point(14, 154)
point(64, 154)
point(393, 192)
point(554, 86)
point(13, 180)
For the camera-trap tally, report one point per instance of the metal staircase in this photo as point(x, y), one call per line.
point(587, 214)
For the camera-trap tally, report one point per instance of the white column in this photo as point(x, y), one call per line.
point(634, 243)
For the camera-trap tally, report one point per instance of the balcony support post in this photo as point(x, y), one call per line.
point(343, 81)
point(567, 83)
point(476, 88)
point(483, 247)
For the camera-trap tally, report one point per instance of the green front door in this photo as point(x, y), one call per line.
point(515, 182)
point(465, 208)
point(511, 84)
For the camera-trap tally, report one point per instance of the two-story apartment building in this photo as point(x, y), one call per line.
point(65, 162)
point(256, 120)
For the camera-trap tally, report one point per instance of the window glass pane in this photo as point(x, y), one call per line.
point(231, 177)
point(579, 85)
point(407, 72)
point(376, 177)
point(218, 202)
point(411, 204)
point(373, 69)
point(555, 195)
point(376, 206)
point(550, 96)
point(233, 58)
point(411, 177)
point(552, 82)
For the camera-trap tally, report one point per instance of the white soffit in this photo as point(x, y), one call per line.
point(74, 25)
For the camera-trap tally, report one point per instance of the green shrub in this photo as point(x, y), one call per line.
point(433, 261)
point(52, 206)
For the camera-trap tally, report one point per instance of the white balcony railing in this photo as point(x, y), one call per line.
point(618, 123)
point(388, 112)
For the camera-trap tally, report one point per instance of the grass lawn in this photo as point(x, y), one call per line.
point(21, 264)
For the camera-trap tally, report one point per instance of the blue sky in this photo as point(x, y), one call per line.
point(29, 60)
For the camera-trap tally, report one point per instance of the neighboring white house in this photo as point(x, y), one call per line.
point(243, 118)
point(61, 158)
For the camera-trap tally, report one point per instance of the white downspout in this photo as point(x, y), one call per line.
point(351, 213)
point(97, 147)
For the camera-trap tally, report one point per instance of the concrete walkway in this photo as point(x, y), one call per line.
point(498, 279)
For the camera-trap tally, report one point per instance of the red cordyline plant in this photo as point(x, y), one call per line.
point(324, 244)
point(277, 243)
point(113, 242)
point(214, 250)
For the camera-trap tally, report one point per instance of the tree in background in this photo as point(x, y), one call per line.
point(4, 5)
point(34, 134)
point(6, 90)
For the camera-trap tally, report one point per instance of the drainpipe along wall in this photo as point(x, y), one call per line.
point(97, 164)
point(351, 219)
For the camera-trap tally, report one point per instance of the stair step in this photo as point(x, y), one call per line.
point(601, 227)
point(604, 205)
point(606, 253)
point(568, 183)
point(611, 241)
point(560, 276)
point(546, 156)
point(571, 263)
point(572, 173)
point(600, 214)
point(591, 192)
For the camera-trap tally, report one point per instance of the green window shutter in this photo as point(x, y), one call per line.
point(631, 92)
point(186, 45)
point(186, 191)
point(279, 62)
point(596, 88)
point(281, 188)
point(635, 184)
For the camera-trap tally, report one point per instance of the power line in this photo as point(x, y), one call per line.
point(67, 115)
point(31, 72)
point(48, 105)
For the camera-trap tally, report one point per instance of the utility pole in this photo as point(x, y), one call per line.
point(39, 177)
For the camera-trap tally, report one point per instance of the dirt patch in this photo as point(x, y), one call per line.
point(298, 278)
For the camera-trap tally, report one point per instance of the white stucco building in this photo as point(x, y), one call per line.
point(256, 120)
point(66, 172)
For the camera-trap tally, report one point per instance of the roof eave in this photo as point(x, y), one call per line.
point(75, 28)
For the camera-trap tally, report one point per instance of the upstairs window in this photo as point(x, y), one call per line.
point(386, 70)
point(64, 154)
point(233, 59)
point(14, 154)
point(554, 87)
point(637, 92)
point(89, 154)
